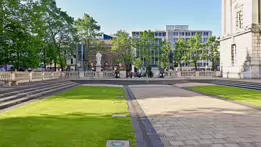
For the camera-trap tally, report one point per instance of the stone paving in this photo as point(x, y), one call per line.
point(187, 119)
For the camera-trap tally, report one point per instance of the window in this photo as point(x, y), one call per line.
point(175, 34)
point(160, 34)
point(205, 40)
point(239, 20)
point(181, 33)
point(187, 33)
point(233, 53)
point(205, 33)
point(187, 39)
point(199, 33)
point(193, 34)
point(156, 34)
point(164, 34)
point(71, 60)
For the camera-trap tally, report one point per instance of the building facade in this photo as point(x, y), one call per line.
point(86, 56)
point(172, 34)
point(240, 42)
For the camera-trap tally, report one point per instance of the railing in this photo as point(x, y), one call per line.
point(20, 76)
point(170, 74)
point(206, 73)
point(5, 76)
point(72, 74)
point(48, 75)
point(188, 73)
point(89, 74)
point(109, 74)
point(37, 76)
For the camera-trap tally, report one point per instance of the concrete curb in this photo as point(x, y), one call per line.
point(142, 125)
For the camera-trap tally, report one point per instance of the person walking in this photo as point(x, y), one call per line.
point(2, 69)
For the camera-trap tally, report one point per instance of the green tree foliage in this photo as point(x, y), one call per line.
point(195, 50)
point(138, 63)
point(165, 51)
point(21, 33)
point(180, 52)
point(122, 47)
point(35, 31)
point(88, 31)
point(147, 43)
point(211, 52)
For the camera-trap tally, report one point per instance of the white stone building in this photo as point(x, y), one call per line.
point(240, 42)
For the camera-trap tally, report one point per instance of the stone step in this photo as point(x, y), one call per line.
point(26, 89)
point(37, 95)
point(31, 91)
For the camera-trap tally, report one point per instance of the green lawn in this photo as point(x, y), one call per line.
point(251, 97)
point(78, 118)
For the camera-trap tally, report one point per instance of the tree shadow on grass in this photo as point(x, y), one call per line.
point(70, 130)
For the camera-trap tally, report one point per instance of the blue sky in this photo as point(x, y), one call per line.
point(139, 15)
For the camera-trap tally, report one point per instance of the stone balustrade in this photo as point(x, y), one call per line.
point(23, 77)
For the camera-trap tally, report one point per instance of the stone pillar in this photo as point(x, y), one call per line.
point(197, 74)
point(42, 76)
point(30, 76)
point(81, 75)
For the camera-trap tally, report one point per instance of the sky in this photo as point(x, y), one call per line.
point(140, 15)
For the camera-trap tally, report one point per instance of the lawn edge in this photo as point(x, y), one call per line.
point(147, 135)
point(221, 98)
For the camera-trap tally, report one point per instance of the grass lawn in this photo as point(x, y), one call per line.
point(77, 118)
point(252, 97)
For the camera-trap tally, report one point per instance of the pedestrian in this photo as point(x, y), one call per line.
point(2, 69)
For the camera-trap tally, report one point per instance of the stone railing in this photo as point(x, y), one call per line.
point(89, 74)
point(109, 74)
point(173, 74)
point(187, 73)
point(72, 75)
point(5, 76)
point(22, 77)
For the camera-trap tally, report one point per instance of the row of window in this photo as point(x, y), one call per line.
point(198, 64)
point(205, 40)
point(190, 33)
point(176, 33)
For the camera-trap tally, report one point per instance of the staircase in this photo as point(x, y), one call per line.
point(29, 92)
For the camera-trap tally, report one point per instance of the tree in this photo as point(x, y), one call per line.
point(147, 44)
point(195, 46)
point(21, 33)
point(138, 63)
point(165, 51)
point(180, 52)
point(60, 36)
point(122, 47)
point(88, 31)
point(211, 52)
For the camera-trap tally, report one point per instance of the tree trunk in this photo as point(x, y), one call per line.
point(213, 65)
point(55, 66)
point(195, 65)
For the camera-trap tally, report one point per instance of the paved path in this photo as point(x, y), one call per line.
point(184, 118)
